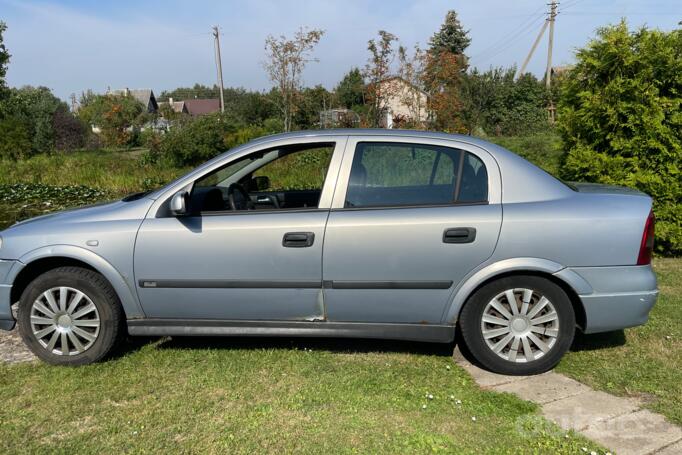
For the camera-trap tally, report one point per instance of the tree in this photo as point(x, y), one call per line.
point(4, 61)
point(117, 116)
point(412, 70)
point(351, 90)
point(313, 100)
point(442, 80)
point(377, 70)
point(620, 116)
point(451, 37)
point(199, 91)
point(286, 60)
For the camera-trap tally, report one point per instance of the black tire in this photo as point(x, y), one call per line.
point(102, 295)
point(470, 325)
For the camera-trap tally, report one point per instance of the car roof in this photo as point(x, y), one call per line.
point(378, 132)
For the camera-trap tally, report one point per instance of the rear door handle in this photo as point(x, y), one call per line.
point(298, 239)
point(459, 235)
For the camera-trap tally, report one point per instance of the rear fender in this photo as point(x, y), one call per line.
point(487, 272)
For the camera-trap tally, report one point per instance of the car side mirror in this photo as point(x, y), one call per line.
point(261, 182)
point(178, 204)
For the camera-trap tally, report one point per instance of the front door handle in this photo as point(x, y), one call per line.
point(459, 235)
point(298, 239)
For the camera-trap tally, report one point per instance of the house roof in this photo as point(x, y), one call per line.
point(177, 106)
point(143, 95)
point(202, 106)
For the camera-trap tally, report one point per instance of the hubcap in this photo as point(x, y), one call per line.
point(65, 321)
point(520, 325)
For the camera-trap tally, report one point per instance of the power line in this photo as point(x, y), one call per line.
point(504, 40)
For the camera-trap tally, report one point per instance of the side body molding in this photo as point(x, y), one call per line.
point(131, 305)
point(490, 270)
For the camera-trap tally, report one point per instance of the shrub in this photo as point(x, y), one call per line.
point(49, 123)
point(15, 139)
point(620, 117)
point(69, 131)
point(198, 140)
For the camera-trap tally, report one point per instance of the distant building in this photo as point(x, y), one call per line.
point(177, 106)
point(404, 102)
point(144, 96)
point(196, 107)
point(339, 118)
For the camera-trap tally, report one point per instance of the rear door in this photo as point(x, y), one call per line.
point(410, 219)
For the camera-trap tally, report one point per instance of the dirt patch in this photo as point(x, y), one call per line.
point(13, 349)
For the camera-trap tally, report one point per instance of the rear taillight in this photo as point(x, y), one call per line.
point(647, 245)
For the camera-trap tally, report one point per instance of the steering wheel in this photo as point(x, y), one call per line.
point(238, 198)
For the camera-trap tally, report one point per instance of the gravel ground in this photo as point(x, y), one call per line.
point(12, 348)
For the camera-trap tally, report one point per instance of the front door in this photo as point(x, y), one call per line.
point(233, 258)
point(415, 219)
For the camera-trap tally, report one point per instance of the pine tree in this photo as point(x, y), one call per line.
point(451, 37)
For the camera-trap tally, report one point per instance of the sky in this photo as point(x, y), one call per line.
point(74, 45)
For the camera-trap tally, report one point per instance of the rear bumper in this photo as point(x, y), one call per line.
point(621, 296)
point(6, 318)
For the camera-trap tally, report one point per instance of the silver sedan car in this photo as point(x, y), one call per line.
point(344, 233)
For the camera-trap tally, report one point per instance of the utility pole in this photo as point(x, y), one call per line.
point(532, 50)
point(552, 17)
point(219, 65)
point(551, 110)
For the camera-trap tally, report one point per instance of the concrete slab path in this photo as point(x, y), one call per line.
point(616, 423)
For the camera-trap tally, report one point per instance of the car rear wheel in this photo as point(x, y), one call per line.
point(518, 325)
point(70, 316)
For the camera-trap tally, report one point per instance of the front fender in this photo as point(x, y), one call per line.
point(488, 271)
point(131, 306)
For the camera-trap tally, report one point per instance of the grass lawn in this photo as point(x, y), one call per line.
point(275, 396)
point(644, 362)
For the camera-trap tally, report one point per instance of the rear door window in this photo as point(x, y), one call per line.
point(388, 174)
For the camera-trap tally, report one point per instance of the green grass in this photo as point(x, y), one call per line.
point(643, 362)
point(268, 396)
point(116, 172)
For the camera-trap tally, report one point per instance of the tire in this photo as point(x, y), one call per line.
point(553, 325)
point(90, 324)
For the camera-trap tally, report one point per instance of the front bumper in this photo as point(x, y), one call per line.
point(6, 318)
point(621, 296)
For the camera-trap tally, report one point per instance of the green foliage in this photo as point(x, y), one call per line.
point(114, 172)
point(494, 101)
point(545, 150)
point(199, 91)
point(4, 61)
point(198, 140)
point(50, 124)
point(117, 116)
point(243, 135)
point(451, 37)
point(620, 118)
point(304, 170)
point(15, 139)
point(351, 90)
point(311, 101)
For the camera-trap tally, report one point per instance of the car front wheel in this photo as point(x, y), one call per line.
point(70, 316)
point(518, 325)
